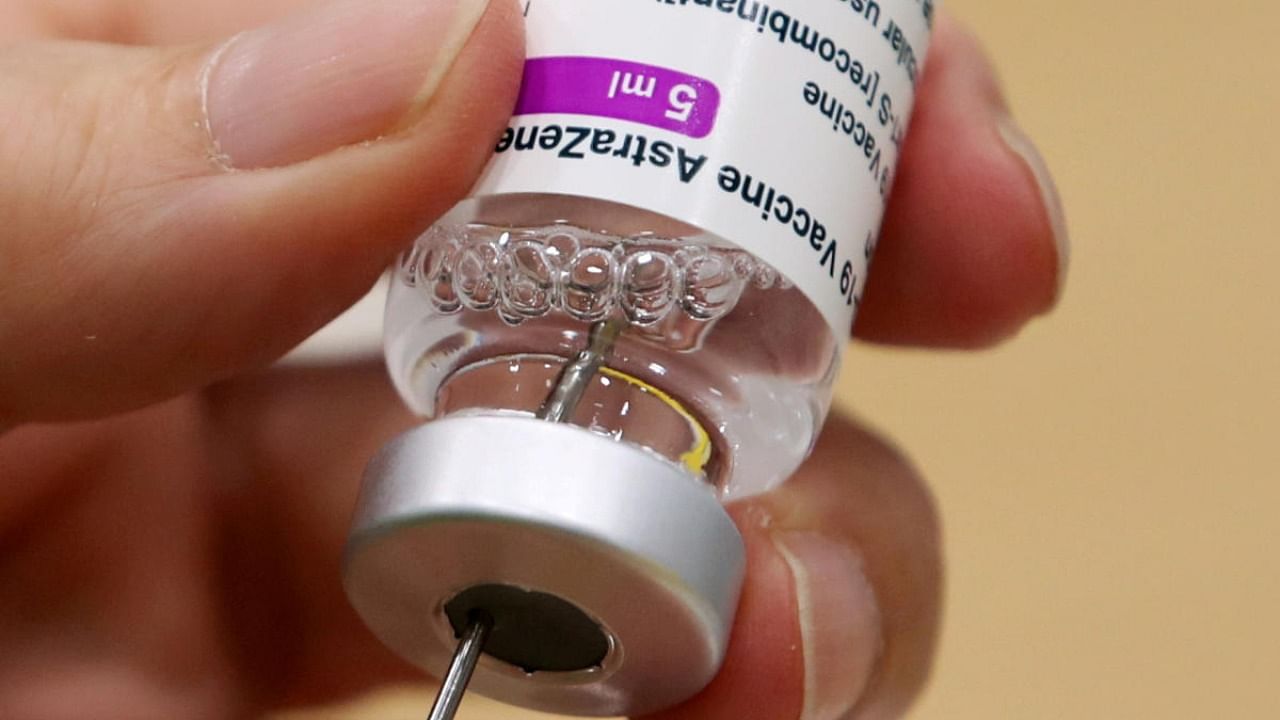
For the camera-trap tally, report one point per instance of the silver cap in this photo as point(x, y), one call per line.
point(612, 575)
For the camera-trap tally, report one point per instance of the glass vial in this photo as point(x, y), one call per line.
point(637, 316)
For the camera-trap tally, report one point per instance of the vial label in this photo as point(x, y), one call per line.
point(774, 125)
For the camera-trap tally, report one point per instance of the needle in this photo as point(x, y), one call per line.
point(578, 374)
point(559, 406)
point(464, 663)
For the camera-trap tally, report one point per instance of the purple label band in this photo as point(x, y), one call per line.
point(646, 94)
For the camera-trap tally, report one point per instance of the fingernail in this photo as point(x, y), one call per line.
point(343, 73)
point(839, 622)
point(1020, 143)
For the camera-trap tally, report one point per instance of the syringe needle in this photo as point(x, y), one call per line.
point(579, 372)
point(464, 663)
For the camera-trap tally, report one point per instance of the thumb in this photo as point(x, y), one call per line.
point(171, 216)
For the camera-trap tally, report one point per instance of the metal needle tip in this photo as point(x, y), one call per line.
point(460, 669)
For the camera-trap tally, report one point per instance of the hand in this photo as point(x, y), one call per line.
point(173, 219)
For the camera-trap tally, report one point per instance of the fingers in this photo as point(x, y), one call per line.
point(973, 244)
point(154, 22)
point(841, 607)
point(172, 216)
point(183, 560)
point(299, 440)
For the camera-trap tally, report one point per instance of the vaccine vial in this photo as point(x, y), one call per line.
point(636, 317)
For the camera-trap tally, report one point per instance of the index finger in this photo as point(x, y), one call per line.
point(973, 244)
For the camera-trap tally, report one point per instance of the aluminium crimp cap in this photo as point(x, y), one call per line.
point(612, 576)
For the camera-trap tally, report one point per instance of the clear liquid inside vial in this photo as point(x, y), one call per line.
point(721, 365)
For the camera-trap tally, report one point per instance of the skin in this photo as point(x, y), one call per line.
point(172, 507)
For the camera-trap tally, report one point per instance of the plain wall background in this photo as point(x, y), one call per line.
point(1110, 480)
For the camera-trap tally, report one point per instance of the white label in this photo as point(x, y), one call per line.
point(776, 125)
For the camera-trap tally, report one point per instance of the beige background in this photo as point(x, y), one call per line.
point(1110, 481)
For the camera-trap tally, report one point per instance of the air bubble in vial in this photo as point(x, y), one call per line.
point(416, 262)
point(589, 282)
point(689, 254)
point(474, 277)
point(744, 265)
point(561, 247)
point(766, 277)
point(711, 287)
point(509, 317)
point(408, 265)
point(649, 281)
point(528, 279)
point(435, 277)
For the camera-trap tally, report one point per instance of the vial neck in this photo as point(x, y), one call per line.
point(609, 402)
